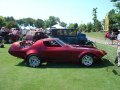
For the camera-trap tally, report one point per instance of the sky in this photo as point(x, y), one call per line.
point(69, 11)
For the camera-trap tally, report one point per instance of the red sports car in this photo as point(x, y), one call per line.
point(54, 50)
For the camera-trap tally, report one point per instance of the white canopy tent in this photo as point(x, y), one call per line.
point(57, 26)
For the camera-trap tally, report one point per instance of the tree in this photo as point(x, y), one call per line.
point(26, 21)
point(114, 0)
point(89, 27)
point(51, 21)
point(82, 27)
point(75, 26)
point(11, 24)
point(63, 24)
point(99, 26)
point(71, 26)
point(95, 19)
point(47, 23)
point(29, 21)
point(2, 22)
point(7, 19)
point(117, 5)
point(39, 23)
point(115, 17)
point(112, 19)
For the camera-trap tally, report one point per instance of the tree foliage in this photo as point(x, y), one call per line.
point(95, 19)
point(73, 26)
point(97, 26)
point(63, 24)
point(51, 21)
point(8, 19)
point(116, 4)
point(114, 16)
point(10, 22)
point(89, 27)
point(2, 21)
point(39, 23)
point(82, 27)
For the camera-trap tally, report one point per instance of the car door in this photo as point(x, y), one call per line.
point(73, 54)
point(54, 51)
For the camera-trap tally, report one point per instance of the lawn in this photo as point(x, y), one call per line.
point(14, 75)
point(98, 35)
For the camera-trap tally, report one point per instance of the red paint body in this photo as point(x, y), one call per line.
point(57, 52)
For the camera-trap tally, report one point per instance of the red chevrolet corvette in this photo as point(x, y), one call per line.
point(54, 50)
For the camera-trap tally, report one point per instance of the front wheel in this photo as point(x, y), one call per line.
point(87, 60)
point(33, 61)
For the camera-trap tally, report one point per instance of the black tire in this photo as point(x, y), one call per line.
point(116, 60)
point(87, 60)
point(92, 44)
point(33, 61)
point(2, 46)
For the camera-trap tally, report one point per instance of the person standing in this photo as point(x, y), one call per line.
point(107, 36)
point(112, 36)
point(118, 48)
point(118, 38)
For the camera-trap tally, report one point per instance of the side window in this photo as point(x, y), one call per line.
point(51, 44)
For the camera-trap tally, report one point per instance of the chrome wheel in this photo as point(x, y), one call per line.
point(87, 60)
point(34, 61)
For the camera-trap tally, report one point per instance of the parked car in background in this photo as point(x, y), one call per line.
point(54, 50)
point(10, 36)
point(13, 36)
point(71, 36)
point(33, 35)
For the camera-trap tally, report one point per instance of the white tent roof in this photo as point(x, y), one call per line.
point(57, 26)
point(27, 27)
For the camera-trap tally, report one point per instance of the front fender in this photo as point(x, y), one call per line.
point(83, 53)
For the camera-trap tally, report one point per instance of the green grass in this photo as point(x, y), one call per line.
point(14, 75)
point(98, 35)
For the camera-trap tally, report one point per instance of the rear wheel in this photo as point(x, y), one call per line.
point(87, 60)
point(33, 61)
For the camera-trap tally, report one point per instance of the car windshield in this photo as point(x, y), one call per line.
point(61, 42)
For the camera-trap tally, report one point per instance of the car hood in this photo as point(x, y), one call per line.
point(83, 46)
